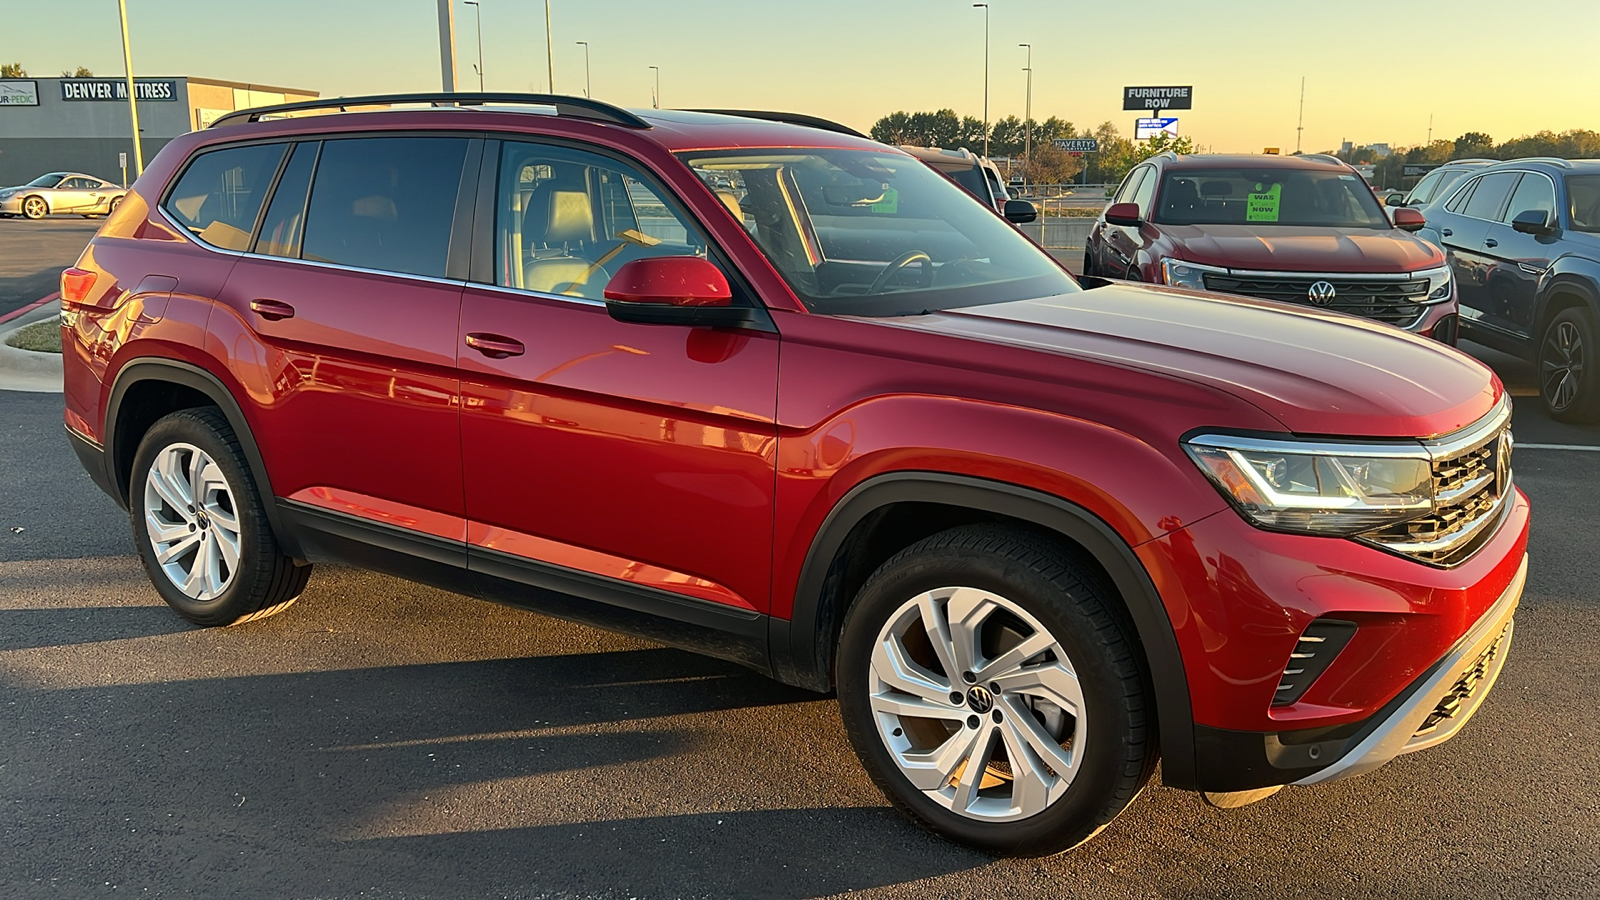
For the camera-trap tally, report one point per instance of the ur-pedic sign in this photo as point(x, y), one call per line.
point(1078, 145)
point(1157, 97)
point(1145, 129)
point(19, 92)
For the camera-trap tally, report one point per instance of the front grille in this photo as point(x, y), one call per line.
point(1394, 302)
point(1457, 698)
point(1471, 484)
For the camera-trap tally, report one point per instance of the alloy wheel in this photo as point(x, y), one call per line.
point(34, 208)
point(978, 704)
point(192, 521)
point(1561, 365)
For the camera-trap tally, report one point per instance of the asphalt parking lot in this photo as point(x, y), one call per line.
point(382, 739)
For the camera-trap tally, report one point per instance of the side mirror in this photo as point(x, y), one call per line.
point(1123, 214)
point(673, 290)
point(1020, 211)
point(1532, 221)
point(1396, 202)
point(1407, 219)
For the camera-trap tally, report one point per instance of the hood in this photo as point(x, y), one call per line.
point(1284, 248)
point(1316, 372)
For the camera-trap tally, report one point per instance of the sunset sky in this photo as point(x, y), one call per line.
point(1374, 71)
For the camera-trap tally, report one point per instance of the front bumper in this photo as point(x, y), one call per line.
point(12, 206)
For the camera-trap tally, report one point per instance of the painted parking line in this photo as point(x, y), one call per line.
point(1580, 447)
point(18, 313)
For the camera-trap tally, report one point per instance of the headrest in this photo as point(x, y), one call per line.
point(556, 216)
point(1216, 189)
point(732, 203)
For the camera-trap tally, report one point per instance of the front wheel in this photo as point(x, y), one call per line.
point(1569, 380)
point(201, 528)
point(993, 695)
point(35, 208)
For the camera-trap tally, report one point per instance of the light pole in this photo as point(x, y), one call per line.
point(655, 98)
point(133, 106)
point(549, 48)
point(479, 10)
point(985, 7)
point(1027, 111)
point(447, 44)
point(586, 86)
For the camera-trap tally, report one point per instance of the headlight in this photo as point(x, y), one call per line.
point(1318, 488)
point(1438, 283)
point(1182, 274)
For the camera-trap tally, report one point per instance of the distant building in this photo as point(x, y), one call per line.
point(1382, 150)
point(1346, 148)
point(81, 124)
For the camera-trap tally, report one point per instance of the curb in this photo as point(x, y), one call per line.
point(29, 370)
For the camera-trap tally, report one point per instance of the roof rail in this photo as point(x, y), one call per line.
point(1166, 154)
point(786, 118)
point(572, 107)
point(1552, 160)
point(1324, 157)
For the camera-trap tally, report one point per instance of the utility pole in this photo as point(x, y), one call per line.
point(1027, 111)
point(985, 8)
point(1300, 128)
point(447, 44)
point(133, 95)
point(549, 47)
point(1430, 130)
point(479, 10)
point(655, 96)
point(587, 92)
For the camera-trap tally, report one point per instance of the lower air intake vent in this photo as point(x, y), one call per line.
point(1313, 653)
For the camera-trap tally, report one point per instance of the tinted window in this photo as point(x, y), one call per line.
point(1459, 201)
point(286, 216)
point(385, 203)
point(1423, 191)
point(568, 220)
point(1584, 193)
point(1143, 193)
point(1245, 195)
point(1129, 185)
point(218, 196)
point(1489, 195)
point(971, 178)
point(1533, 192)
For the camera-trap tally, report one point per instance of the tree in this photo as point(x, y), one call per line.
point(1006, 137)
point(13, 70)
point(1051, 166)
point(895, 128)
point(1473, 144)
point(81, 73)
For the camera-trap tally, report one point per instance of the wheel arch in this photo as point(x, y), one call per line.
point(803, 647)
point(148, 388)
point(1571, 283)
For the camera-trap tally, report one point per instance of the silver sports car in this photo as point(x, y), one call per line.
point(61, 192)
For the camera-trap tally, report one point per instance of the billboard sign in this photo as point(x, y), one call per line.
point(75, 89)
point(1078, 145)
point(1157, 97)
point(1145, 129)
point(19, 92)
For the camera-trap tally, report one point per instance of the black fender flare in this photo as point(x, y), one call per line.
point(802, 647)
point(1565, 278)
point(191, 376)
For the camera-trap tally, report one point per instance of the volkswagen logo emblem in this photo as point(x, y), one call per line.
point(979, 699)
point(1321, 293)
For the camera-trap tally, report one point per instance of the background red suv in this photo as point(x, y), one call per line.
point(792, 398)
point(1296, 229)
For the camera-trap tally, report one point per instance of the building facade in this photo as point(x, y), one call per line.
point(81, 124)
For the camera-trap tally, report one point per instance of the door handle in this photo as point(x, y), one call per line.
point(1490, 242)
point(1445, 232)
point(495, 346)
point(271, 310)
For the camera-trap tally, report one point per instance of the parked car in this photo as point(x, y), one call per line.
point(1295, 229)
point(1438, 184)
point(1524, 240)
point(977, 174)
point(61, 192)
point(1034, 535)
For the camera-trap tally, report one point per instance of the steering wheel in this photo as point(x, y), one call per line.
point(900, 262)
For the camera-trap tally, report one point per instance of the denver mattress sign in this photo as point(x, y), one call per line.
point(117, 89)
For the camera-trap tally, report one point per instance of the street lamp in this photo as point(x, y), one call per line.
point(985, 7)
point(586, 87)
point(133, 106)
point(655, 99)
point(549, 48)
point(1027, 113)
point(479, 10)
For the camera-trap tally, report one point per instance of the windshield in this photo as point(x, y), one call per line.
point(1584, 192)
point(50, 180)
point(1244, 196)
point(856, 232)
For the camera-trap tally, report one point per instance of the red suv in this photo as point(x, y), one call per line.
point(1296, 229)
point(791, 398)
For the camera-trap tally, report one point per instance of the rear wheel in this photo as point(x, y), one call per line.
point(34, 207)
point(200, 526)
point(991, 693)
point(1569, 379)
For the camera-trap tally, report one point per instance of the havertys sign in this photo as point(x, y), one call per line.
point(116, 89)
point(1157, 97)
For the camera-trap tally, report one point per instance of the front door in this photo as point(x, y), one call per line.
point(637, 459)
point(1519, 259)
point(1464, 236)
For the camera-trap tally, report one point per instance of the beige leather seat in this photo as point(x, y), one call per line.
point(560, 227)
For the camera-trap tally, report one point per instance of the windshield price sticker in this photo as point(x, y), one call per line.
point(890, 202)
point(1262, 205)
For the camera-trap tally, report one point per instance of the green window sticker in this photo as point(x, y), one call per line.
point(1262, 205)
point(889, 203)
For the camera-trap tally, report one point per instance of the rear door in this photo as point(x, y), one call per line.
point(341, 322)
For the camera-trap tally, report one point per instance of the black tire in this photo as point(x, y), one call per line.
point(1569, 368)
point(30, 214)
point(265, 581)
point(112, 206)
point(1088, 262)
point(1133, 272)
point(1043, 579)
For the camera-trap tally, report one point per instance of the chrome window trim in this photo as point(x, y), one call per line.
point(524, 292)
point(1555, 196)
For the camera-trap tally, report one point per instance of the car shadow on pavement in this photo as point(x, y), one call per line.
point(22, 629)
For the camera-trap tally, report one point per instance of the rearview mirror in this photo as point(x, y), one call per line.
point(674, 290)
point(1020, 211)
point(1407, 219)
point(853, 195)
point(1123, 214)
point(1532, 221)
